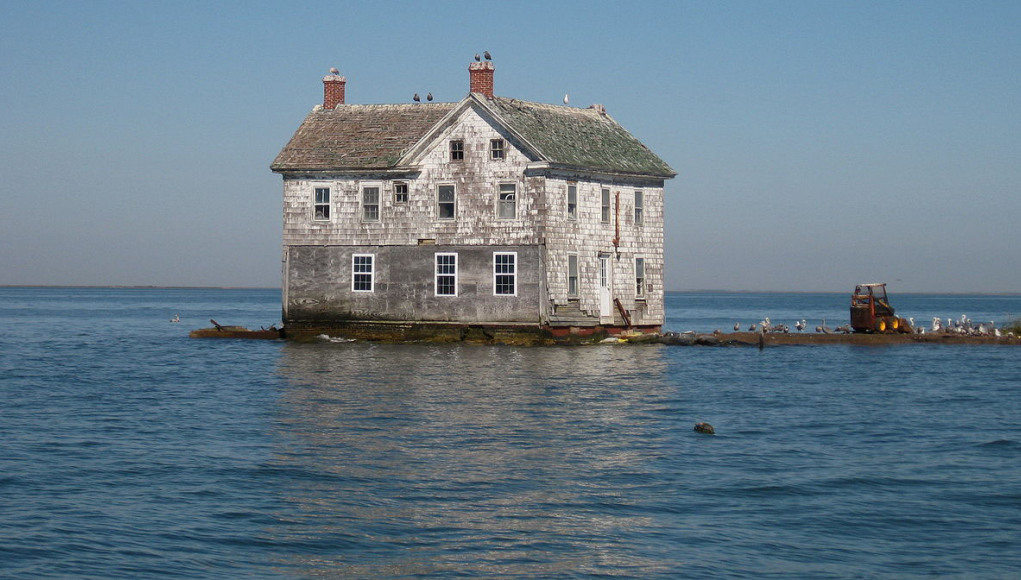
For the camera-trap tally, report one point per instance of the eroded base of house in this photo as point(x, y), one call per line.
point(503, 333)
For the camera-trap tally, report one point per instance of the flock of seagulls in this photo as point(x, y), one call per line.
point(962, 326)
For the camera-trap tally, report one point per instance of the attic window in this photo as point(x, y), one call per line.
point(400, 192)
point(457, 150)
point(496, 149)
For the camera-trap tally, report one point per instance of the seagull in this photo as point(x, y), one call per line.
point(429, 97)
point(416, 98)
point(477, 57)
point(737, 327)
point(751, 327)
point(566, 100)
point(176, 318)
point(800, 325)
point(486, 54)
point(334, 71)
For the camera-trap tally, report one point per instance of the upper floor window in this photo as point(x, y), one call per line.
point(572, 275)
point(640, 277)
point(457, 150)
point(604, 214)
point(496, 149)
point(370, 203)
point(445, 202)
point(446, 275)
point(505, 273)
point(362, 273)
point(572, 202)
point(400, 192)
point(321, 209)
point(639, 206)
point(507, 202)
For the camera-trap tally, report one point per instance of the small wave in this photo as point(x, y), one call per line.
point(999, 443)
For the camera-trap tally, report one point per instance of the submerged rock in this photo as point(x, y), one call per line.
point(706, 428)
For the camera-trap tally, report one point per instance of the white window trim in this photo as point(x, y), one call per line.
point(436, 274)
point(513, 274)
point(640, 293)
point(379, 200)
point(328, 203)
point(372, 273)
point(437, 201)
point(639, 207)
point(577, 275)
point(572, 216)
point(605, 209)
point(499, 192)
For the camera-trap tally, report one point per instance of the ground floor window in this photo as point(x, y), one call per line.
point(640, 277)
point(505, 273)
point(362, 273)
point(446, 274)
point(572, 275)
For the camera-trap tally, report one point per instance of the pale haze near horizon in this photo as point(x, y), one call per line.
point(817, 144)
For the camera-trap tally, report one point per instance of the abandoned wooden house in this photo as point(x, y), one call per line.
point(488, 218)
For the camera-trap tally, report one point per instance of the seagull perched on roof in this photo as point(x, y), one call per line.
point(416, 98)
point(566, 100)
point(486, 55)
point(429, 97)
point(477, 57)
point(334, 71)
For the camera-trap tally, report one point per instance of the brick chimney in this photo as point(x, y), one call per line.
point(333, 89)
point(481, 77)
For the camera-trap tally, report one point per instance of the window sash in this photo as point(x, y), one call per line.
point(507, 201)
point(400, 193)
point(572, 202)
point(457, 150)
point(321, 203)
point(505, 273)
point(605, 213)
point(640, 277)
point(572, 274)
point(362, 273)
point(446, 202)
point(496, 149)
point(446, 275)
point(370, 203)
point(639, 206)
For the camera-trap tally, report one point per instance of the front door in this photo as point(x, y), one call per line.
point(605, 296)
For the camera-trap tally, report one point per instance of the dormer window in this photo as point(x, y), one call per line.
point(457, 150)
point(496, 149)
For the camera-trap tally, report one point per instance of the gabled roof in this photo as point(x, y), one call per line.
point(578, 138)
point(367, 137)
point(358, 136)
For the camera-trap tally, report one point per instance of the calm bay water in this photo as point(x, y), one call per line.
point(131, 451)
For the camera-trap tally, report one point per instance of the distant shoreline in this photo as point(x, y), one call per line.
point(689, 291)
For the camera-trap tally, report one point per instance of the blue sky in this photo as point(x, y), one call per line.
point(817, 144)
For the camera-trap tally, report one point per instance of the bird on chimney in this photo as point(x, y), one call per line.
point(566, 100)
point(429, 97)
point(416, 98)
point(477, 57)
point(334, 71)
point(487, 55)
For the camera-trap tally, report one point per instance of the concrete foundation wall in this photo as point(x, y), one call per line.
point(318, 285)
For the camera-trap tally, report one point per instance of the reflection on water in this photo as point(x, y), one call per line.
point(440, 459)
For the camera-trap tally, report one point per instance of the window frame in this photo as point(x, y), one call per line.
point(513, 274)
point(319, 203)
point(572, 202)
point(365, 187)
point(356, 272)
point(604, 205)
point(501, 204)
point(497, 151)
point(397, 194)
point(456, 149)
point(453, 202)
point(437, 274)
point(640, 278)
point(572, 259)
point(639, 207)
